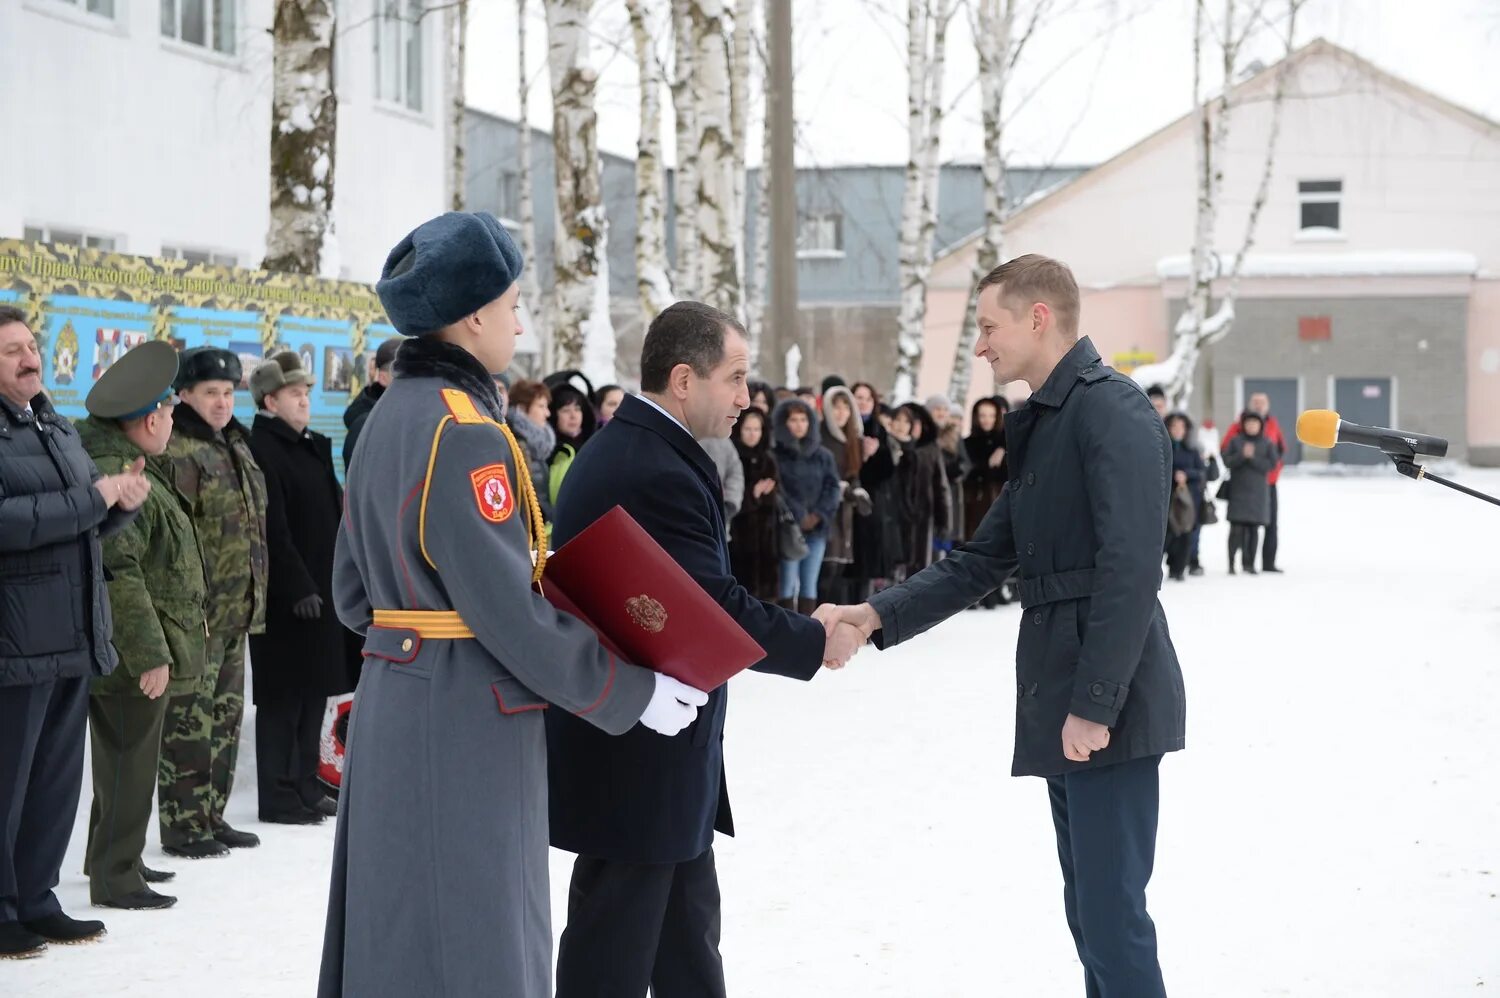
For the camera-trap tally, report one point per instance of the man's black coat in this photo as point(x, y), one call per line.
point(1083, 515)
point(641, 797)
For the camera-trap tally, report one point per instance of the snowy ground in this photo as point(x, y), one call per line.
point(1331, 831)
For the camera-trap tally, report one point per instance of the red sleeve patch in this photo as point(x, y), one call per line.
point(492, 492)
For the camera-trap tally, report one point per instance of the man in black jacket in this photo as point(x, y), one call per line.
point(641, 810)
point(1099, 695)
point(359, 410)
point(55, 631)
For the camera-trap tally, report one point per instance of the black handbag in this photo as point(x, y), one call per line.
point(791, 543)
point(1208, 513)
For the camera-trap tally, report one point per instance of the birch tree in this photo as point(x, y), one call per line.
point(583, 332)
point(760, 268)
point(739, 120)
point(926, 52)
point(458, 58)
point(304, 125)
point(653, 283)
point(685, 177)
point(531, 289)
point(718, 242)
point(1197, 328)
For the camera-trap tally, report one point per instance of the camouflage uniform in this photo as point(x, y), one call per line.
point(157, 591)
point(201, 734)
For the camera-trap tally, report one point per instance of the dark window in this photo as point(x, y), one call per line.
point(1320, 201)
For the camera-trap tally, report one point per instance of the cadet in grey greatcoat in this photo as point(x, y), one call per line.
point(440, 881)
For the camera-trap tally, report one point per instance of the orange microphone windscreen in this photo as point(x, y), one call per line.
point(1318, 428)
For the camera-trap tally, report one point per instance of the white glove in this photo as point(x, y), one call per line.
point(673, 706)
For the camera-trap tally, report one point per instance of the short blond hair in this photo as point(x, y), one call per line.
point(1036, 278)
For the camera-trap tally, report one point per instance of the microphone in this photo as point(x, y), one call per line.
point(1323, 428)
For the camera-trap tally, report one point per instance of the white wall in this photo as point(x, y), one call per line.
point(118, 130)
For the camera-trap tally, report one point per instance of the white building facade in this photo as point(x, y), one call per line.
point(143, 126)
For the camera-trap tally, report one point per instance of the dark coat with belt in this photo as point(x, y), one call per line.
point(1083, 516)
point(55, 620)
point(297, 657)
point(809, 478)
point(641, 797)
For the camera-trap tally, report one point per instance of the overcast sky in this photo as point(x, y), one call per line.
point(1096, 80)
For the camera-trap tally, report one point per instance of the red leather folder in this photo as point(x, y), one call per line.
point(644, 607)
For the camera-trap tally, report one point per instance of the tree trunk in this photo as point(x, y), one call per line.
point(653, 282)
point(685, 177)
point(995, 30)
point(760, 282)
point(719, 271)
point(913, 287)
point(459, 42)
point(531, 289)
point(304, 125)
point(584, 335)
point(739, 122)
point(1197, 329)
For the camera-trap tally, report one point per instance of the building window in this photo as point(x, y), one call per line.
point(1320, 201)
point(104, 8)
point(398, 52)
point(821, 235)
point(207, 23)
point(69, 237)
point(199, 256)
point(510, 195)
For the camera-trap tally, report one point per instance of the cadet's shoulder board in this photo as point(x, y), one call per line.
point(461, 406)
point(492, 492)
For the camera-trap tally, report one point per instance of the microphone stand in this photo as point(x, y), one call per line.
point(1406, 464)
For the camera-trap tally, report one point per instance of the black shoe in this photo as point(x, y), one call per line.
point(207, 849)
point(19, 943)
point(1272, 569)
point(144, 900)
point(60, 928)
point(156, 876)
point(1177, 577)
point(1196, 570)
point(303, 817)
point(1250, 571)
point(236, 839)
point(330, 807)
point(1231, 570)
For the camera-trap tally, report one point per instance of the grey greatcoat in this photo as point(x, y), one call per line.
point(440, 881)
point(1083, 516)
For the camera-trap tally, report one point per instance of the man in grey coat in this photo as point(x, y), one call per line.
point(440, 881)
point(1099, 696)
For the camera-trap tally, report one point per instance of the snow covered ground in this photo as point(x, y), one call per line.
point(1332, 831)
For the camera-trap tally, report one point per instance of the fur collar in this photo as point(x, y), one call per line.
point(186, 421)
point(430, 357)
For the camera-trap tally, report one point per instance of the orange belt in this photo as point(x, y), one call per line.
point(430, 624)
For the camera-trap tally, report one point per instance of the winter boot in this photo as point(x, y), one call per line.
point(142, 900)
point(236, 839)
point(207, 849)
point(19, 943)
point(59, 928)
point(156, 876)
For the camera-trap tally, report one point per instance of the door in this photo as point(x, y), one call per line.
point(1286, 406)
point(1362, 400)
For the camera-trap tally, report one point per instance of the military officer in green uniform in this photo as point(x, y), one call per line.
point(215, 472)
point(156, 588)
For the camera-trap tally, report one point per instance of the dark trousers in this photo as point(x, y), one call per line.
point(125, 739)
point(1268, 552)
point(1106, 842)
point(41, 774)
point(287, 732)
point(631, 925)
point(1179, 546)
point(1243, 540)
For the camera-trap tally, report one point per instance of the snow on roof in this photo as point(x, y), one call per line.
point(1402, 263)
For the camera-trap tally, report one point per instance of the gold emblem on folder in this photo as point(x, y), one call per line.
point(648, 614)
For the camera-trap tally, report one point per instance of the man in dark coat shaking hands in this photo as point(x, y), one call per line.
point(641, 813)
point(1099, 695)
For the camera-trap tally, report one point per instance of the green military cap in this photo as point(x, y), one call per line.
point(135, 384)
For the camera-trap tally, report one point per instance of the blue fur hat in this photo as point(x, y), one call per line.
point(445, 269)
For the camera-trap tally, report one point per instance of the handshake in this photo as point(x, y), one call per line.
point(847, 628)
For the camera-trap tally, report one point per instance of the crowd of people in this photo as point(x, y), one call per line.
point(143, 549)
point(1247, 466)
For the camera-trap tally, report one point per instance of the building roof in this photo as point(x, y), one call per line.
point(1313, 49)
